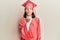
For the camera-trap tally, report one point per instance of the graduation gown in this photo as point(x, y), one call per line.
point(34, 32)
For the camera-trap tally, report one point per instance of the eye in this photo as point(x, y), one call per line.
point(30, 8)
point(27, 9)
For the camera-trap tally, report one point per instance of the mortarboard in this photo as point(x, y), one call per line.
point(29, 3)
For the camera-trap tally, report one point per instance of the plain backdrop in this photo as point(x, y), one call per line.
point(47, 10)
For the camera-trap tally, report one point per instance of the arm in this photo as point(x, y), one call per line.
point(20, 24)
point(19, 28)
point(39, 30)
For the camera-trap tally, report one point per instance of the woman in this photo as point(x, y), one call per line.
point(29, 24)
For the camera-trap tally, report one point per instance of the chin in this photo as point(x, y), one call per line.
point(28, 15)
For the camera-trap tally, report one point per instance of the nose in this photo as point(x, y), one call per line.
point(28, 9)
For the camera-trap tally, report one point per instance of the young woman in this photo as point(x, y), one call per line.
point(29, 24)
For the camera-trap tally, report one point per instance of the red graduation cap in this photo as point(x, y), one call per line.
point(29, 3)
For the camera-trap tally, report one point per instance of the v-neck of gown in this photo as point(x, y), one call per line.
point(29, 25)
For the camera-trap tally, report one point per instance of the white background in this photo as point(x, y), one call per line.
point(47, 10)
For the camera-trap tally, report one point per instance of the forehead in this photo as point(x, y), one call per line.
point(29, 5)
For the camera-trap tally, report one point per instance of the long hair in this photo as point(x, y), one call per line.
point(25, 15)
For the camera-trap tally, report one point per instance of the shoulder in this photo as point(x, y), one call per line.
point(37, 18)
point(22, 18)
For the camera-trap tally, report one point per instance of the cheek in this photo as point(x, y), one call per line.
point(31, 10)
point(26, 11)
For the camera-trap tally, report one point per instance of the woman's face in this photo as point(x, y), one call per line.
point(28, 10)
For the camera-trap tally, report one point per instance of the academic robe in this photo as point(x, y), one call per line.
point(34, 32)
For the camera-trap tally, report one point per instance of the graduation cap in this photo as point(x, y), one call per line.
point(29, 3)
